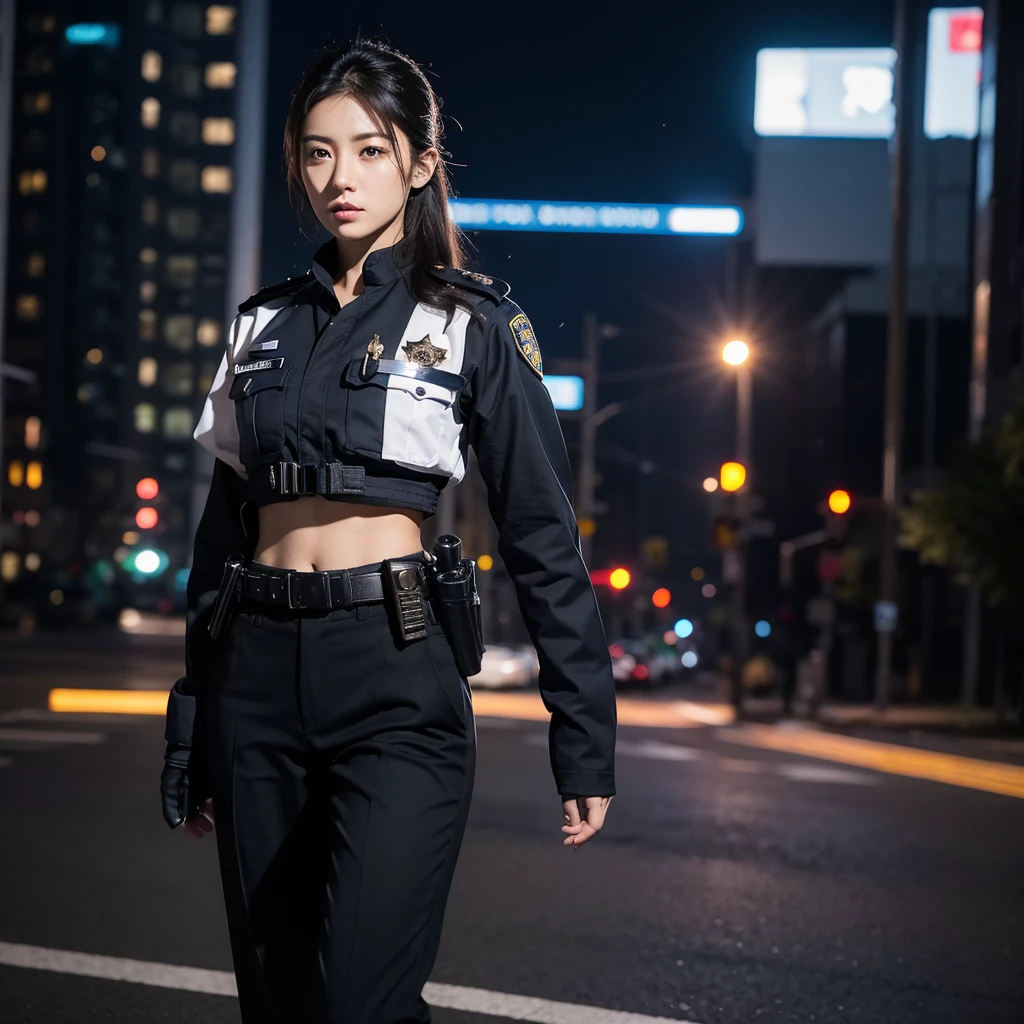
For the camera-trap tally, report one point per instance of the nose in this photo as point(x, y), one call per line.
point(342, 179)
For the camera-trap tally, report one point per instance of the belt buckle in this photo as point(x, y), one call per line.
point(293, 590)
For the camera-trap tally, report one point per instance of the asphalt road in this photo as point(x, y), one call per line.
point(731, 883)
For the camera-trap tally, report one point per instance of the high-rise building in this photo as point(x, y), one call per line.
point(118, 249)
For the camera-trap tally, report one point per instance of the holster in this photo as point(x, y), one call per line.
point(458, 606)
point(227, 596)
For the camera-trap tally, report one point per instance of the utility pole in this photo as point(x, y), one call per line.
point(896, 356)
point(740, 640)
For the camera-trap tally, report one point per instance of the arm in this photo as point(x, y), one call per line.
point(515, 433)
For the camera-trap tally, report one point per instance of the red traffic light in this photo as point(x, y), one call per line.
point(661, 597)
point(147, 488)
point(146, 518)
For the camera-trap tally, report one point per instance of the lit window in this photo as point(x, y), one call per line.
point(32, 518)
point(27, 307)
point(147, 371)
point(39, 181)
point(208, 332)
point(220, 75)
point(220, 19)
point(147, 324)
point(177, 379)
point(94, 356)
point(183, 223)
point(150, 212)
point(36, 103)
point(183, 176)
point(31, 181)
point(34, 475)
point(152, 66)
point(98, 153)
point(35, 264)
point(178, 423)
point(145, 418)
point(150, 163)
point(181, 271)
point(218, 131)
point(150, 112)
point(148, 255)
point(10, 562)
point(15, 473)
point(216, 179)
point(179, 330)
point(32, 562)
point(33, 428)
point(147, 291)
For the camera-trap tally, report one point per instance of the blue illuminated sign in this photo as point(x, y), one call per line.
point(93, 34)
point(614, 218)
point(566, 391)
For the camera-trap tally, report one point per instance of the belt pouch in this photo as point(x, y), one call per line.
point(459, 608)
point(403, 586)
point(225, 600)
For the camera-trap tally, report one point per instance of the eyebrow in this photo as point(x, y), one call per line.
point(355, 138)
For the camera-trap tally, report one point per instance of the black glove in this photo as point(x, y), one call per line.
point(177, 789)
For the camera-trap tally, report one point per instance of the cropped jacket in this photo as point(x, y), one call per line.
point(377, 402)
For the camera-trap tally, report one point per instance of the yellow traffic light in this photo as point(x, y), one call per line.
point(839, 502)
point(733, 476)
point(619, 578)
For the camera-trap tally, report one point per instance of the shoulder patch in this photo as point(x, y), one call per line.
point(272, 291)
point(526, 340)
point(493, 287)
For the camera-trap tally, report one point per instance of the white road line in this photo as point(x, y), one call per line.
point(821, 773)
point(222, 983)
point(51, 736)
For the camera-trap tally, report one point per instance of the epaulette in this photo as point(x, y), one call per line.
point(492, 287)
point(272, 291)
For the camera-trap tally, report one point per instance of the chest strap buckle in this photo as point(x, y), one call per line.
point(316, 478)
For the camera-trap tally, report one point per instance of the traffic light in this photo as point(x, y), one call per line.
point(661, 597)
point(147, 488)
point(733, 476)
point(146, 518)
point(839, 502)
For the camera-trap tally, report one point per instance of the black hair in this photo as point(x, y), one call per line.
point(395, 93)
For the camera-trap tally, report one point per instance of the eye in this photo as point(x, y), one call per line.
point(319, 153)
point(374, 151)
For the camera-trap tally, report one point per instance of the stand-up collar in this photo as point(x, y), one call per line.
point(380, 266)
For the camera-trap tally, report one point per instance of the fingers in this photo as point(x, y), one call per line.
point(579, 829)
point(199, 823)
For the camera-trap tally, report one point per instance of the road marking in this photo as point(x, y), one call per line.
point(822, 773)
point(952, 769)
point(137, 702)
point(222, 983)
point(51, 736)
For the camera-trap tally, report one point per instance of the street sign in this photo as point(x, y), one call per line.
point(887, 614)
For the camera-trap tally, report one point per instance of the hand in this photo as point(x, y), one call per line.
point(584, 816)
point(202, 822)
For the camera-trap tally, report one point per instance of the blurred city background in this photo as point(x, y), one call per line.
point(774, 255)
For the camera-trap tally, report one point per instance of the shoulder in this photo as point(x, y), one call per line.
point(514, 327)
point(273, 291)
point(479, 285)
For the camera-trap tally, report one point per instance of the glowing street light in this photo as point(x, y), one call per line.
point(734, 476)
point(736, 352)
point(839, 502)
point(710, 485)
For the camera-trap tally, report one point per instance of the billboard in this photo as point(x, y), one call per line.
point(952, 72)
point(829, 93)
point(615, 218)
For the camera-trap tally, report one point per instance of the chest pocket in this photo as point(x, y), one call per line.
point(259, 412)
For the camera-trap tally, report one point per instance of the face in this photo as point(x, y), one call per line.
point(351, 172)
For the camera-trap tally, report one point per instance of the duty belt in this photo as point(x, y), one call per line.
point(337, 588)
point(315, 478)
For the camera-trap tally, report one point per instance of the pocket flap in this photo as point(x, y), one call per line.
point(421, 390)
point(246, 384)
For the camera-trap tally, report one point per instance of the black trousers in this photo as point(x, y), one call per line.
point(342, 767)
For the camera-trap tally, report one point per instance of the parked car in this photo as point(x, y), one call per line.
point(506, 667)
point(634, 664)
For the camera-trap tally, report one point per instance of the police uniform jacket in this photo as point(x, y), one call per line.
point(377, 402)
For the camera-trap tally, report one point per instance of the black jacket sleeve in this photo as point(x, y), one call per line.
point(220, 533)
point(514, 430)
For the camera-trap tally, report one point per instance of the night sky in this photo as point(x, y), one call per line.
point(643, 102)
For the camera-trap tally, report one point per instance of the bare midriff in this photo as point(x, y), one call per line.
point(312, 534)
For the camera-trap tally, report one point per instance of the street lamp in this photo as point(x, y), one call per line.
point(736, 352)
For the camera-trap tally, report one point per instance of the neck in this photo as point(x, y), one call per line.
point(351, 254)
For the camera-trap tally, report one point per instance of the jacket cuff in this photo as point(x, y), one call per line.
point(181, 717)
point(572, 784)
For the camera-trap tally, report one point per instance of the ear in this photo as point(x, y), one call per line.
point(425, 167)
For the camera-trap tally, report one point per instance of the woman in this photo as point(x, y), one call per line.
point(333, 735)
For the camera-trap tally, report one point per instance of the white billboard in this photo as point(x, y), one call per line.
point(953, 72)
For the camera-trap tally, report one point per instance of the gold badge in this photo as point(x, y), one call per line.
point(423, 352)
point(375, 349)
point(526, 342)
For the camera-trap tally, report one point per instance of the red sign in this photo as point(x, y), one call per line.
point(965, 33)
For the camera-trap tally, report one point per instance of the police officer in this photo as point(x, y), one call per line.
point(329, 728)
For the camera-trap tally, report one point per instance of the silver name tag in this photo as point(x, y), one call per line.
point(260, 364)
point(263, 346)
